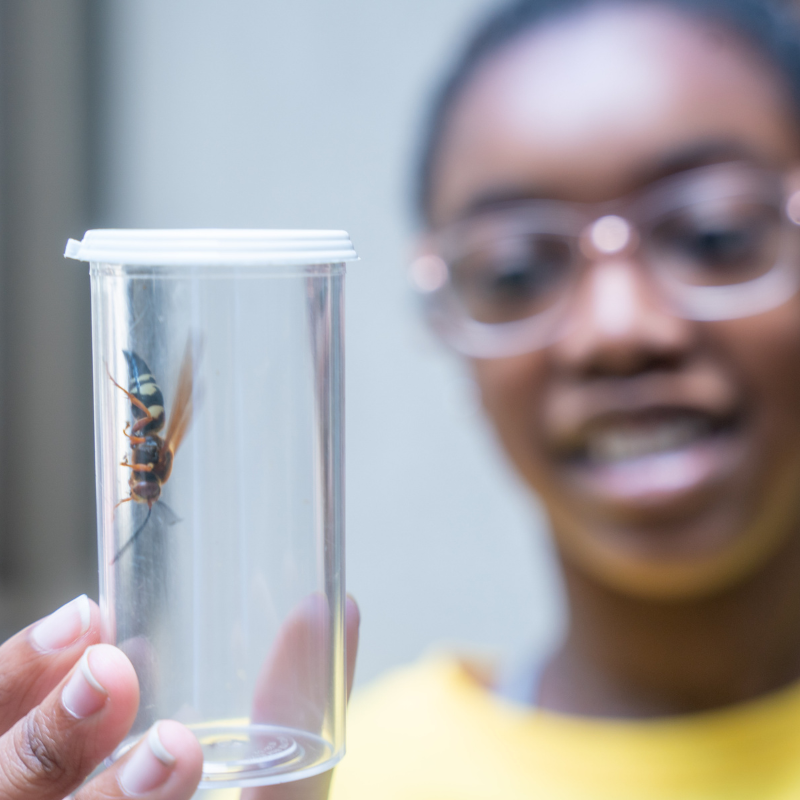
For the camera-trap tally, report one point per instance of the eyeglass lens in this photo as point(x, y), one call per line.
point(511, 267)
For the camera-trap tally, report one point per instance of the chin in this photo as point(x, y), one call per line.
point(677, 559)
point(690, 520)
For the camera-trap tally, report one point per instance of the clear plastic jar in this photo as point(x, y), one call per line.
point(218, 386)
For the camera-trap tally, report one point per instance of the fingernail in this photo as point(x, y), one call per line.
point(148, 767)
point(63, 627)
point(84, 695)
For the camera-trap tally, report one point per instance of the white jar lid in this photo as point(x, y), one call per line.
point(217, 247)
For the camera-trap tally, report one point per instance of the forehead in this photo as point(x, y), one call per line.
point(584, 106)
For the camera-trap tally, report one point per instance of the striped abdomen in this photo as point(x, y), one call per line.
point(142, 385)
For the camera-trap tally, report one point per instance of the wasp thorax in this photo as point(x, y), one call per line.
point(148, 451)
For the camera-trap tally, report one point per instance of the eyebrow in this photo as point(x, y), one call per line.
point(696, 154)
point(501, 197)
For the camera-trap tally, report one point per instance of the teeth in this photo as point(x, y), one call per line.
point(630, 442)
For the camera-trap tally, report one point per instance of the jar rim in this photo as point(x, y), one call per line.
point(212, 246)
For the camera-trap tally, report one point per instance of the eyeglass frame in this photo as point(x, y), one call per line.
point(637, 211)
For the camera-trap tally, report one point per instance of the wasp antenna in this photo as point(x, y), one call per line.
point(133, 538)
point(136, 364)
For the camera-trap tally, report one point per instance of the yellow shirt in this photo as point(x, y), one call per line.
point(433, 732)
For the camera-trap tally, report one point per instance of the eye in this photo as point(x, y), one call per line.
point(722, 245)
point(512, 278)
point(725, 242)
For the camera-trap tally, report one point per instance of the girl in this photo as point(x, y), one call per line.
point(610, 193)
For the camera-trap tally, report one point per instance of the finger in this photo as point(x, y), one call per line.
point(315, 788)
point(34, 661)
point(292, 688)
point(57, 744)
point(165, 765)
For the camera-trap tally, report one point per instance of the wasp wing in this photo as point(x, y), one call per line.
point(164, 515)
point(183, 406)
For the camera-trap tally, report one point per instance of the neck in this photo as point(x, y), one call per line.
point(626, 656)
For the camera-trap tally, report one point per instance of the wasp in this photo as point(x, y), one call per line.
point(151, 454)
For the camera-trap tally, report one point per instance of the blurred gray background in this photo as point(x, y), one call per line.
point(252, 113)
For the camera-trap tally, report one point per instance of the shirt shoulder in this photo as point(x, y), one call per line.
point(431, 731)
point(424, 731)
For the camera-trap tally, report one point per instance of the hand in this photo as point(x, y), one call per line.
point(64, 708)
point(66, 702)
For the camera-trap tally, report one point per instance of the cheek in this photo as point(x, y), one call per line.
point(765, 350)
point(511, 393)
point(740, 528)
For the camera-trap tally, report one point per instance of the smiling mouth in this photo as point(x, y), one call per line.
point(621, 440)
point(639, 439)
point(651, 457)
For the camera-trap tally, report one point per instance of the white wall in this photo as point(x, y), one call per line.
point(268, 113)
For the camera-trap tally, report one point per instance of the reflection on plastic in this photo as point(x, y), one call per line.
point(288, 692)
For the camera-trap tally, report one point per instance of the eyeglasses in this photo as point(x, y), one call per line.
point(718, 242)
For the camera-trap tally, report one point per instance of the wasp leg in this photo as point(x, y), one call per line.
point(138, 467)
point(133, 439)
point(135, 401)
point(142, 423)
point(126, 500)
point(149, 467)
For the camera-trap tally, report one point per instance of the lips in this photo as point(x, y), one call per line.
point(630, 464)
point(647, 442)
point(633, 437)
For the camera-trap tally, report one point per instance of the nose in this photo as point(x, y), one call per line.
point(617, 324)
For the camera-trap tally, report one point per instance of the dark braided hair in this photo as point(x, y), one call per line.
point(767, 25)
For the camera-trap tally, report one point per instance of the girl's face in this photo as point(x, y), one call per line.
point(667, 451)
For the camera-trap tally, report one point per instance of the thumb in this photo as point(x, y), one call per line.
point(316, 788)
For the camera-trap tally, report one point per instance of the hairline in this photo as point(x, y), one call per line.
point(486, 44)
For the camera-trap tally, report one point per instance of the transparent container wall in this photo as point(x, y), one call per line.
point(224, 583)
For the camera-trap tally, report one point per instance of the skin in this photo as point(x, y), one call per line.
point(682, 592)
point(46, 753)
